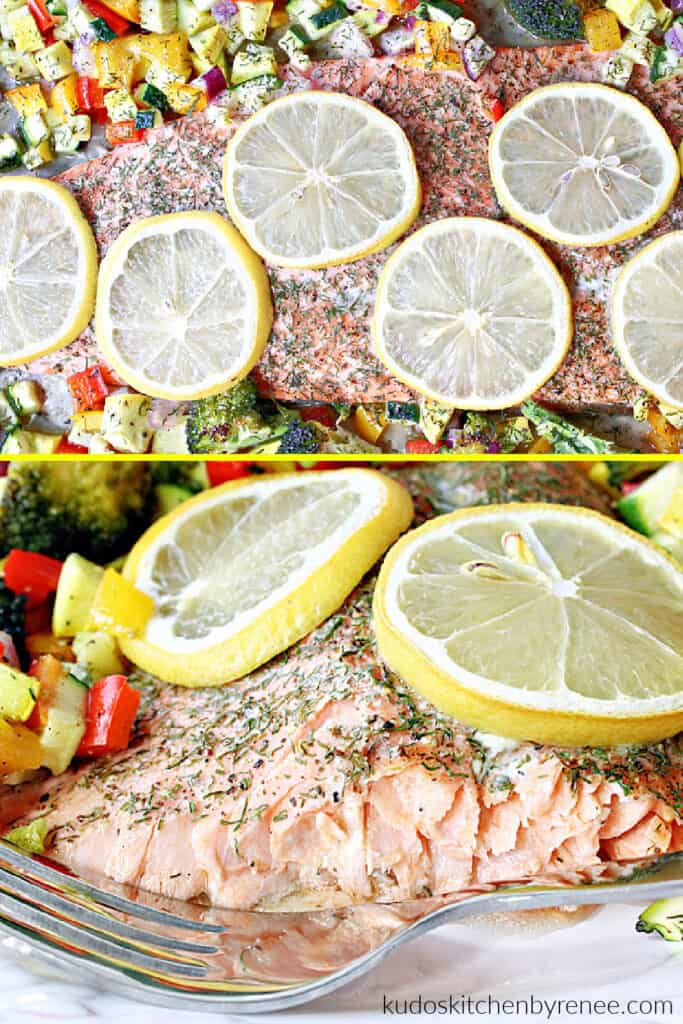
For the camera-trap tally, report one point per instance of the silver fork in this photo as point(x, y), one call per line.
point(188, 956)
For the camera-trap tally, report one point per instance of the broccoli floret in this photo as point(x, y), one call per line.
point(301, 438)
point(548, 19)
point(235, 420)
point(191, 476)
point(96, 509)
point(12, 613)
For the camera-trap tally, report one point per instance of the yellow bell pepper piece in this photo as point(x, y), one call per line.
point(170, 51)
point(64, 99)
point(392, 7)
point(185, 99)
point(129, 9)
point(19, 749)
point(27, 99)
point(601, 28)
point(369, 421)
point(278, 19)
point(432, 48)
point(119, 608)
point(115, 63)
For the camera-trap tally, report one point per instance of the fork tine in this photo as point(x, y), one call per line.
point(97, 920)
point(28, 915)
point(27, 867)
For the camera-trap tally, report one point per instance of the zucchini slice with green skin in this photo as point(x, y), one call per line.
point(665, 917)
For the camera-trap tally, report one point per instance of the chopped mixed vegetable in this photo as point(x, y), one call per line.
point(132, 64)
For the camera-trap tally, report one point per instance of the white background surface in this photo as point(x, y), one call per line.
point(601, 957)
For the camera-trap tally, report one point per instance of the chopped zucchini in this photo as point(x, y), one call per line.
point(665, 64)
point(184, 99)
point(78, 583)
point(209, 43)
point(120, 105)
point(145, 119)
point(434, 418)
point(68, 136)
point(158, 15)
point(19, 66)
point(18, 693)
point(403, 412)
point(296, 9)
point(54, 62)
point(10, 151)
point(294, 40)
point(253, 19)
point(98, 653)
point(664, 917)
point(191, 19)
point(643, 508)
point(125, 425)
point(440, 10)
point(322, 22)
point(169, 496)
point(172, 440)
point(252, 62)
point(31, 442)
point(26, 397)
point(65, 724)
point(33, 129)
point(253, 94)
point(147, 95)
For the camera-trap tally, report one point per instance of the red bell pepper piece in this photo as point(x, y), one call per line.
point(89, 94)
point(37, 576)
point(123, 132)
point(112, 707)
point(421, 447)
point(221, 472)
point(88, 388)
point(38, 619)
point(325, 414)
point(65, 447)
point(629, 486)
point(495, 108)
point(41, 15)
point(116, 23)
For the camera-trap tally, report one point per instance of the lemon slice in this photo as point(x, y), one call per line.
point(647, 317)
point(472, 313)
point(316, 179)
point(241, 572)
point(183, 306)
point(48, 269)
point(583, 164)
point(538, 622)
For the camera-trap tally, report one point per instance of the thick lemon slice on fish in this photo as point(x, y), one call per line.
point(316, 179)
point(183, 306)
point(583, 164)
point(472, 313)
point(537, 622)
point(48, 269)
point(647, 317)
point(243, 571)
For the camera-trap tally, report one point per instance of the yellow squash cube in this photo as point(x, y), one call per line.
point(119, 608)
point(54, 62)
point(115, 63)
point(27, 99)
point(185, 99)
point(23, 30)
point(601, 28)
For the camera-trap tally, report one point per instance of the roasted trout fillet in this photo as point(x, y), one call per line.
point(321, 780)
point(320, 349)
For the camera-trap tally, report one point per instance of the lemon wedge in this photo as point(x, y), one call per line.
point(317, 178)
point(537, 622)
point(183, 306)
point(241, 572)
point(472, 313)
point(583, 164)
point(48, 269)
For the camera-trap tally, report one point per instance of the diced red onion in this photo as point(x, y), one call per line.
point(83, 58)
point(212, 82)
point(494, 448)
point(381, 17)
point(397, 40)
point(410, 22)
point(676, 6)
point(224, 11)
point(476, 55)
point(8, 652)
point(674, 37)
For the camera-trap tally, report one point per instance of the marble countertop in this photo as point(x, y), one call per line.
point(599, 958)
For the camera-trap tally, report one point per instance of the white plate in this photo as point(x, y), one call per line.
point(600, 958)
